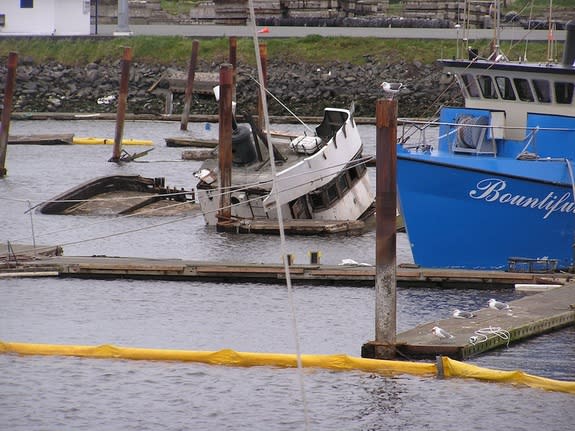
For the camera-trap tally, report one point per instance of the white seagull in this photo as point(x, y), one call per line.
point(441, 333)
point(496, 305)
point(390, 89)
point(459, 314)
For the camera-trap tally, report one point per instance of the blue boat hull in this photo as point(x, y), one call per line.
point(463, 214)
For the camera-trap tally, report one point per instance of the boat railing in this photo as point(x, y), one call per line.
point(409, 127)
point(474, 138)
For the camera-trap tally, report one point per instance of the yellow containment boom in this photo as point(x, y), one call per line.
point(110, 141)
point(340, 362)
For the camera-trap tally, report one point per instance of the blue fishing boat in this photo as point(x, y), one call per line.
point(498, 186)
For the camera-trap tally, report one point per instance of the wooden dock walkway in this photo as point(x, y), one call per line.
point(529, 316)
point(238, 272)
point(490, 328)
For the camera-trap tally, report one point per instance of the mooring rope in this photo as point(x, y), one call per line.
point(279, 214)
point(482, 335)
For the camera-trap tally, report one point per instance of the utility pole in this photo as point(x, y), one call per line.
point(123, 28)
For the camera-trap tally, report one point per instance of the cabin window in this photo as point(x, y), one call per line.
point(523, 89)
point(564, 92)
point(26, 4)
point(332, 194)
point(342, 183)
point(542, 90)
point(317, 201)
point(487, 87)
point(353, 175)
point(470, 85)
point(505, 88)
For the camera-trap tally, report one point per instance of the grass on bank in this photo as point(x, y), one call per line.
point(176, 50)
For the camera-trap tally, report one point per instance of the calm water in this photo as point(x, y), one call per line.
point(47, 393)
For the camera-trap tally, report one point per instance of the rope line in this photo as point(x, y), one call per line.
point(483, 334)
point(280, 217)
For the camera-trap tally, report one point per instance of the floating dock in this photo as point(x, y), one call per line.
point(490, 328)
point(235, 272)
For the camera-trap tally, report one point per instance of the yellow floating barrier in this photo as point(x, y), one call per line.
point(223, 357)
point(449, 367)
point(110, 141)
point(453, 368)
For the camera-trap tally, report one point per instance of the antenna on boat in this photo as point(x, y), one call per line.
point(550, 36)
point(281, 103)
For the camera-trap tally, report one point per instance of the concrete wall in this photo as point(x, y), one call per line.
point(46, 17)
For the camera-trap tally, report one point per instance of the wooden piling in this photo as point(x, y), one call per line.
point(263, 50)
point(233, 42)
point(122, 102)
point(385, 247)
point(190, 85)
point(225, 142)
point(7, 109)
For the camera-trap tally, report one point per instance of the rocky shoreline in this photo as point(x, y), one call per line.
point(306, 89)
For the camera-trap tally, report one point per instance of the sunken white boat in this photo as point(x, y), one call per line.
point(319, 176)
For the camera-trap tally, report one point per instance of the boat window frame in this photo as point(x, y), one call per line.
point(505, 88)
point(343, 183)
point(324, 197)
point(569, 87)
point(542, 89)
point(470, 85)
point(487, 87)
point(523, 91)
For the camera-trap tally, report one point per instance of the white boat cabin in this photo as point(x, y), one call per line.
point(516, 89)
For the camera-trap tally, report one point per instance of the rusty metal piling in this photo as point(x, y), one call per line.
point(233, 45)
point(7, 109)
point(122, 102)
point(190, 85)
point(263, 50)
point(225, 142)
point(383, 347)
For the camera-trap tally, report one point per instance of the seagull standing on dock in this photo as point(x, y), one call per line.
point(496, 305)
point(390, 89)
point(441, 333)
point(459, 314)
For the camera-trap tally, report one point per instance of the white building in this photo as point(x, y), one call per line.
point(44, 17)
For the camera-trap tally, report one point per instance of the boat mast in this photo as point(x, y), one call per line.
point(550, 35)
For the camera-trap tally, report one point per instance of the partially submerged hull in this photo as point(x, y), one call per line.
point(324, 181)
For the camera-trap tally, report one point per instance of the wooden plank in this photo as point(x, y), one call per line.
point(130, 267)
point(243, 270)
point(529, 316)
